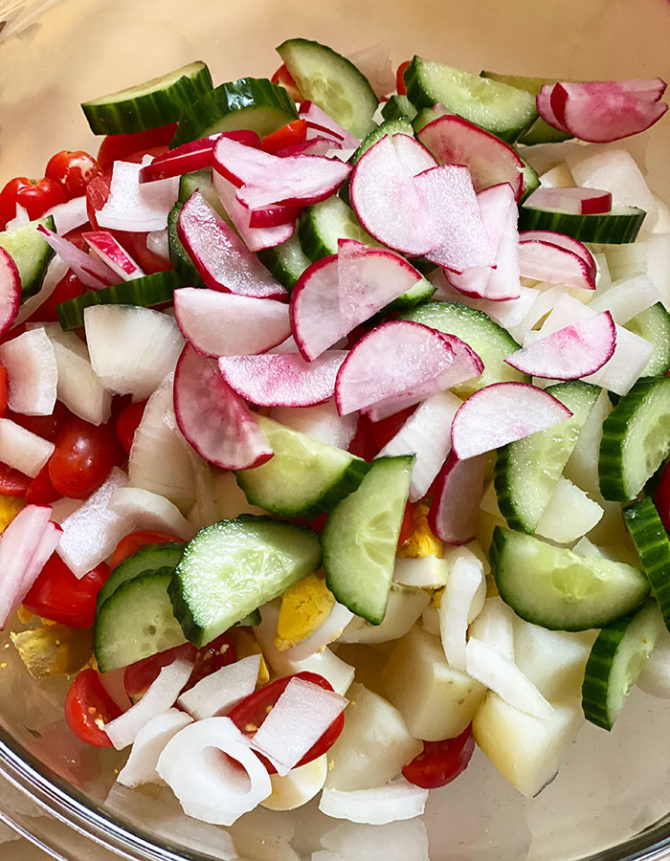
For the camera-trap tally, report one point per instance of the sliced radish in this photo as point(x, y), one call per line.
point(10, 291)
point(569, 353)
point(213, 418)
point(457, 493)
point(22, 449)
point(92, 532)
point(319, 122)
point(192, 156)
point(113, 254)
point(249, 223)
point(213, 772)
point(346, 290)
point(91, 271)
point(32, 373)
point(222, 259)
point(563, 241)
point(549, 263)
point(577, 200)
point(161, 695)
point(321, 422)
point(546, 111)
point(394, 801)
point(134, 206)
point(462, 600)
point(501, 413)
point(299, 718)
point(616, 170)
point(320, 145)
point(223, 324)
point(149, 510)
point(26, 544)
point(286, 380)
point(604, 111)
point(218, 692)
point(454, 140)
point(426, 433)
point(149, 743)
point(399, 364)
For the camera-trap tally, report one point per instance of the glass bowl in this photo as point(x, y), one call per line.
point(611, 799)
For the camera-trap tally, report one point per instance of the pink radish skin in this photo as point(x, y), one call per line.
point(222, 259)
point(282, 380)
point(545, 110)
point(255, 238)
point(223, 324)
point(580, 201)
point(569, 353)
point(604, 111)
point(10, 291)
point(399, 364)
point(543, 261)
point(91, 271)
point(111, 252)
point(213, 418)
point(457, 492)
point(319, 122)
point(563, 241)
point(502, 413)
point(320, 145)
point(454, 140)
point(194, 155)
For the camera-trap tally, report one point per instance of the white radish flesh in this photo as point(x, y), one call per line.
point(255, 237)
point(457, 492)
point(10, 291)
point(218, 692)
point(576, 200)
point(32, 373)
point(549, 263)
point(111, 252)
point(626, 298)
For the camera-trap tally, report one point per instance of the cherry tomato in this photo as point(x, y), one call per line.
point(249, 714)
point(97, 192)
point(13, 482)
point(407, 524)
point(385, 429)
point(4, 391)
point(45, 426)
point(126, 423)
point(83, 457)
point(34, 195)
point(292, 133)
point(138, 676)
point(60, 596)
point(115, 147)
point(88, 707)
point(73, 171)
point(662, 498)
point(69, 287)
point(40, 490)
point(210, 658)
point(132, 542)
point(400, 78)
point(363, 445)
point(286, 80)
point(440, 762)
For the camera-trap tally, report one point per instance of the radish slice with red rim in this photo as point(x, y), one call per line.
point(223, 324)
point(91, 271)
point(502, 413)
point(549, 263)
point(279, 221)
point(194, 155)
point(319, 122)
point(563, 241)
point(545, 110)
point(320, 145)
point(491, 161)
point(580, 201)
point(113, 254)
point(457, 492)
point(287, 380)
point(213, 418)
point(569, 353)
point(10, 291)
point(222, 259)
point(399, 364)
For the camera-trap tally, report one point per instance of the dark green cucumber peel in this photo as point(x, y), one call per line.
point(286, 261)
point(400, 126)
point(398, 106)
point(651, 540)
point(148, 558)
point(615, 228)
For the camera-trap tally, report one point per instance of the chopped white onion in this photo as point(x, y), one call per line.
point(425, 572)
point(399, 799)
point(32, 372)
point(22, 449)
point(20, 218)
point(403, 609)
point(137, 207)
point(626, 298)
point(149, 743)
point(69, 215)
point(149, 510)
point(465, 591)
point(218, 692)
point(157, 243)
point(495, 627)
point(161, 694)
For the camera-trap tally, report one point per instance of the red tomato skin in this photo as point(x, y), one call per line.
point(134, 540)
point(210, 658)
point(41, 491)
point(285, 79)
point(83, 458)
point(34, 195)
point(662, 498)
point(126, 423)
point(440, 762)
point(69, 287)
point(87, 705)
point(13, 482)
point(400, 78)
point(250, 713)
point(407, 524)
point(292, 133)
point(119, 147)
point(61, 597)
point(73, 171)
point(45, 426)
point(138, 676)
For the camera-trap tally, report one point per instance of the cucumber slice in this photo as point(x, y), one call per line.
point(151, 557)
point(527, 471)
point(232, 567)
point(531, 178)
point(360, 538)
point(652, 544)
point(558, 589)
point(136, 621)
point(489, 340)
point(497, 107)
point(148, 105)
point(147, 291)
point(423, 117)
point(616, 227)
point(636, 439)
point(654, 326)
point(248, 103)
point(398, 106)
point(539, 131)
point(304, 477)
point(30, 252)
point(332, 82)
point(201, 180)
point(400, 126)
point(322, 224)
point(286, 261)
point(617, 658)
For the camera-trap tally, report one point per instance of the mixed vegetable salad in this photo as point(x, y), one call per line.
point(335, 413)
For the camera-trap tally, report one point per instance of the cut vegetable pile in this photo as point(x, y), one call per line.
point(302, 383)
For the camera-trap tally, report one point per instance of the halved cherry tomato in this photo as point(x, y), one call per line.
point(72, 170)
point(406, 525)
point(60, 596)
point(34, 195)
point(83, 458)
point(88, 707)
point(662, 498)
point(126, 423)
point(40, 490)
point(4, 391)
point(440, 762)
point(385, 429)
point(210, 658)
point(115, 147)
point(362, 444)
point(400, 78)
point(249, 714)
point(285, 79)
point(292, 133)
point(13, 482)
point(45, 426)
point(134, 540)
